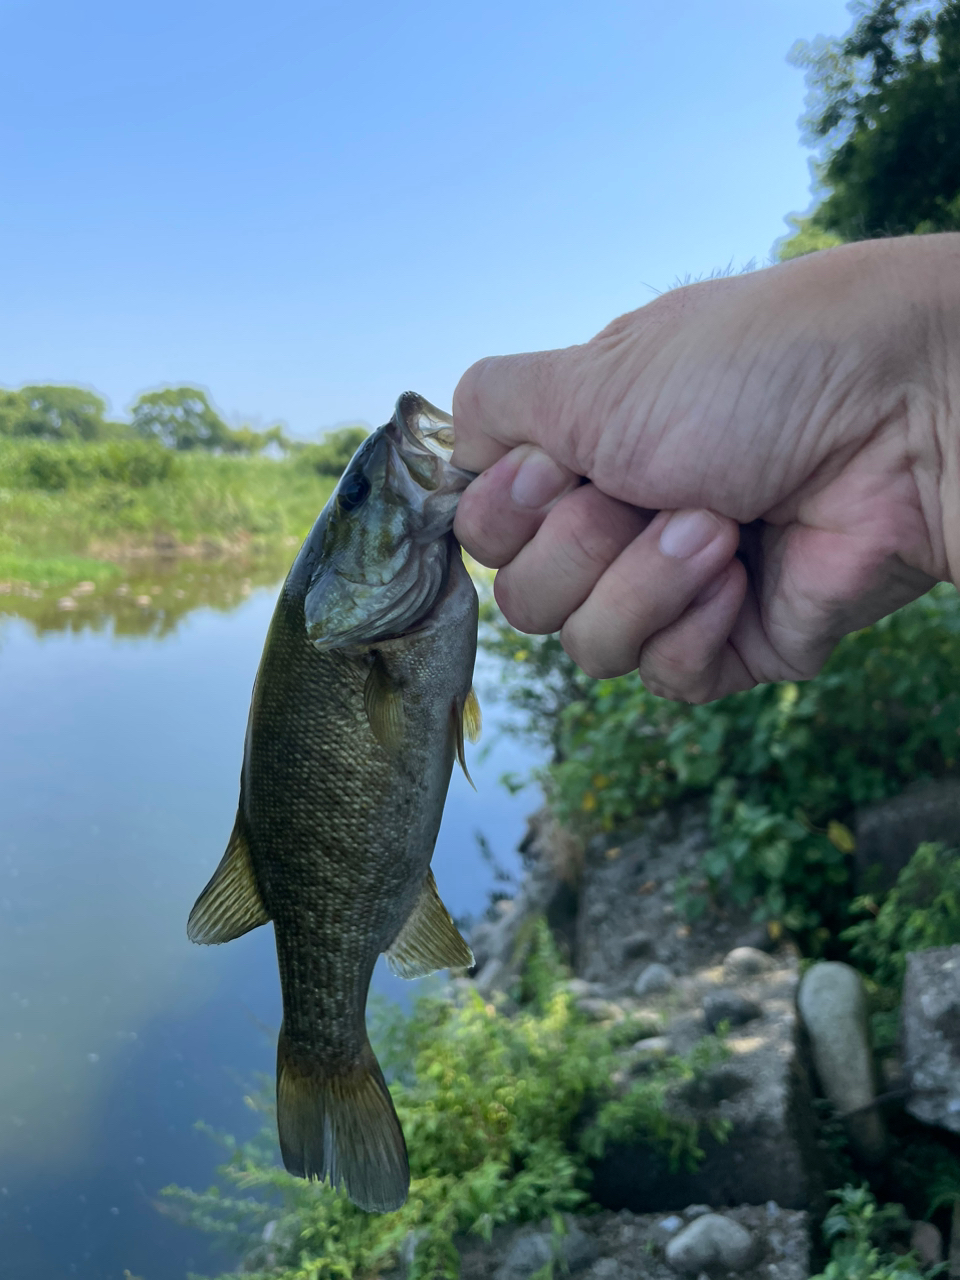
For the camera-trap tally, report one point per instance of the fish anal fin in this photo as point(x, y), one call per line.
point(230, 905)
point(429, 940)
point(341, 1125)
point(383, 703)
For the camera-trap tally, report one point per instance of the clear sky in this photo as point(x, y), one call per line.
point(309, 207)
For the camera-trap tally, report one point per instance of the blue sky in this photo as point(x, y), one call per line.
point(309, 207)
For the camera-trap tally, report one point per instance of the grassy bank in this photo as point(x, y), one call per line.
point(76, 511)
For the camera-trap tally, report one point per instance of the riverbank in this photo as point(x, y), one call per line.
point(85, 513)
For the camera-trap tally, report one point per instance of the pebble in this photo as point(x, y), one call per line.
point(654, 978)
point(729, 1006)
point(66, 603)
point(598, 1010)
point(746, 962)
point(709, 1243)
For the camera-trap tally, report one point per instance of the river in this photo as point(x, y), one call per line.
point(121, 727)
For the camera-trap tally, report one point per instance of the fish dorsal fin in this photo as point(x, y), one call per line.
point(429, 940)
point(230, 905)
point(466, 721)
point(383, 703)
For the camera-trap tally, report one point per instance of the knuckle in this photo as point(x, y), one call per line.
point(592, 663)
point(517, 605)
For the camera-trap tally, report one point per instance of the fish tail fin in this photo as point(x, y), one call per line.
point(341, 1126)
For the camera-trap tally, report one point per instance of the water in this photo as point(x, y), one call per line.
point(121, 727)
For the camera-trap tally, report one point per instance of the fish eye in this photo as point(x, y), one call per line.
point(353, 492)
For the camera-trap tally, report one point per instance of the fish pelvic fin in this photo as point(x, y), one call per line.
point(341, 1126)
point(429, 940)
point(230, 905)
point(383, 703)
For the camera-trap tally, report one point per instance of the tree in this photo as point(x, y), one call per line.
point(54, 413)
point(181, 418)
point(883, 109)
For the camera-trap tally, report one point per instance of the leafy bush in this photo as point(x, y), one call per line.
point(502, 1116)
point(783, 766)
point(921, 911)
point(331, 455)
point(858, 1232)
point(51, 466)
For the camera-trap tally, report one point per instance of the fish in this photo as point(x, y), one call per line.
point(361, 704)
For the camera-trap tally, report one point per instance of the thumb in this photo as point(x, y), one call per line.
point(505, 401)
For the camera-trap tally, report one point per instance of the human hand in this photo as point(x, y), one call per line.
point(772, 462)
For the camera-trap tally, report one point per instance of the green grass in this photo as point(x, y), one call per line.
point(67, 511)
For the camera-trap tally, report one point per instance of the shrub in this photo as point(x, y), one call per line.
point(783, 766)
point(53, 466)
point(502, 1115)
point(921, 911)
point(331, 455)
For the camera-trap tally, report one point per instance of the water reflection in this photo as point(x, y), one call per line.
point(121, 727)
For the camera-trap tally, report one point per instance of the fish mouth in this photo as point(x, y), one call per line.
point(421, 426)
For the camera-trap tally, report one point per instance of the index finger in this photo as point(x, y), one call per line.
point(505, 401)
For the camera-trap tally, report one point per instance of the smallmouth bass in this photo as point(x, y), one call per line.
point(359, 708)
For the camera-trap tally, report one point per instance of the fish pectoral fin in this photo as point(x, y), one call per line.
point(429, 940)
point(383, 703)
point(466, 721)
point(230, 905)
point(341, 1124)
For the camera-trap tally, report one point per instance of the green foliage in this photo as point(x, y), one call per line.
point(807, 238)
point(331, 455)
point(858, 1232)
point(106, 498)
point(183, 418)
point(783, 766)
point(883, 106)
point(502, 1113)
point(50, 466)
point(921, 911)
point(55, 413)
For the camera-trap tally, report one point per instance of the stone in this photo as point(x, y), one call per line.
point(527, 1254)
point(598, 1010)
point(576, 1249)
point(710, 1243)
point(931, 1035)
point(605, 1269)
point(729, 1006)
point(833, 1007)
point(888, 833)
point(763, 1092)
point(637, 944)
point(927, 1243)
point(654, 979)
point(743, 963)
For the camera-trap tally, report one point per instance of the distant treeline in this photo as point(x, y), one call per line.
point(178, 418)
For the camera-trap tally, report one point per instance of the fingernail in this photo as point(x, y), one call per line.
point(539, 480)
point(687, 532)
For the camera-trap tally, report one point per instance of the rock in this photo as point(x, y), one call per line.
point(637, 944)
point(532, 1250)
point(646, 1052)
point(833, 1006)
point(931, 1035)
point(605, 1269)
point(527, 1254)
point(729, 1006)
point(927, 1243)
point(710, 1243)
point(888, 833)
point(654, 979)
point(598, 1010)
point(763, 1093)
point(743, 963)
